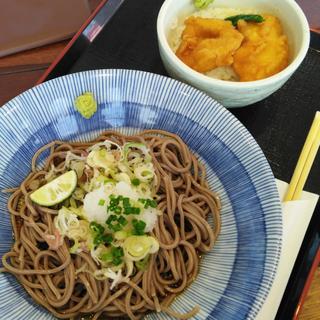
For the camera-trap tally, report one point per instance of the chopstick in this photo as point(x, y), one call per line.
point(305, 161)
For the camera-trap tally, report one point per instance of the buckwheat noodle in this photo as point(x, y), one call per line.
point(54, 278)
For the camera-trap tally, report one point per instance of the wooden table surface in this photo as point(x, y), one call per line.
point(21, 71)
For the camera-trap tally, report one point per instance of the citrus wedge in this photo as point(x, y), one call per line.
point(56, 190)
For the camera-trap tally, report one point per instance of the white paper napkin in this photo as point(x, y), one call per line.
point(296, 218)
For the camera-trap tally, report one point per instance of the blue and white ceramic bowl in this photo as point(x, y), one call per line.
point(236, 275)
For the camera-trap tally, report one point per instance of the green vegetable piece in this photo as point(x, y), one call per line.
point(247, 17)
point(117, 254)
point(122, 220)
point(102, 239)
point(96, 227)
point(118, 210)
point(135, 182)
point(107, 238)
point(98, 234)
point(116, 224)
point(128, 210)
point(152, 203)
point(148, 203)
point(142, 264)
point(106, 257)
point(106, 180)
point(101, 202)
point(202, 4)
point(113, 200)
point(138, 227)
point(116, 227)
point(126, 202)
point(121, 235)
point(97, 240)
point(136, 210)
point(86, 105)
point(111, 219)
point(116, 261)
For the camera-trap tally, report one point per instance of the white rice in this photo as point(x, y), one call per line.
point(177, 27)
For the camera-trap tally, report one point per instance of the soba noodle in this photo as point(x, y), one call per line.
point(54, 278)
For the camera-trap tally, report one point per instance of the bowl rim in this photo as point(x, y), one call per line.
point(280, 76)
point(34, 95)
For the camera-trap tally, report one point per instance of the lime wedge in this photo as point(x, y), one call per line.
point(56, 190)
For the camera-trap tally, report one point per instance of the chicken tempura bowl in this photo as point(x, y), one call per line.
point(262, 43)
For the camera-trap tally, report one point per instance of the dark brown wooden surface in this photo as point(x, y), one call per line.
point(311, 307)
point(19, 72)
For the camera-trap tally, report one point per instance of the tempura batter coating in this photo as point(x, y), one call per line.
point(208, 43)
point(264, 51)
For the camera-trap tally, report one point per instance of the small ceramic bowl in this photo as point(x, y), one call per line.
point(230, 93)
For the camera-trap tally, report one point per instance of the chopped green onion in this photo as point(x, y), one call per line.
point(111, 208)
point(98, 234)
point(96, 227)
point(102, 239)
point(116, 227)
point(107, 239)
point(116, 223)
point(142, 264)
point(152, 203)
point(148, 203)
point(122, 220)
point(121, 235)
point(116, 261)
point(136, 247)
point(114, 202)
point(145, 173)
point(126, 202)
point(128, 210)
point(101, 202)
point(111, 219)
point(117, 210)
point(138, 227)
point(117, 254)
point(97, 240)
point(201, 4)
point(136, 210)
point(105, 181)
point(135, 182)
point(107, 257)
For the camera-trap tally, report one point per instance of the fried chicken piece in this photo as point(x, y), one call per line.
point(264, 51)
point(208, 43)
